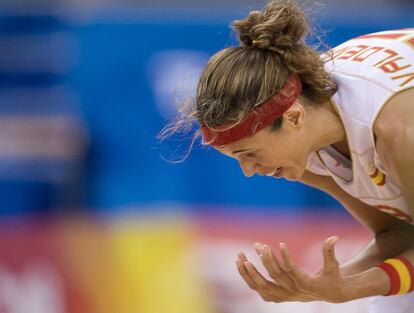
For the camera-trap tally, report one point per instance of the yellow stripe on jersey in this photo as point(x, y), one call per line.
point(378, 178)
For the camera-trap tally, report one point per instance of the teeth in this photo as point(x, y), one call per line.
point(274, 173)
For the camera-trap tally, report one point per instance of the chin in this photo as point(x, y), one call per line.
point(290, 178)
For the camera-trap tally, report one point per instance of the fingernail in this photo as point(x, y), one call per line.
point(259, 248)
point(333, 239)
point(258, 245)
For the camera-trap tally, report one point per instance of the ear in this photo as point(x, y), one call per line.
point(295, 116)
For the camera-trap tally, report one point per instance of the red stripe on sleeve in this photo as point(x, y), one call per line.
point(394, 277)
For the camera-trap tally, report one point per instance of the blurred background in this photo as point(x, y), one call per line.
point(94, 218)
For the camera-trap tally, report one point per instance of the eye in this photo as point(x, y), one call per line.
point(250, 154)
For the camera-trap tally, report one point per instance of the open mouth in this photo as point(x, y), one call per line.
point(278, 173)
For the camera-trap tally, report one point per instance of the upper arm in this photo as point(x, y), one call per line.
point(367, 215)
point(394, 133)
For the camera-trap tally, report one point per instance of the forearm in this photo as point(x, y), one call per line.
point(385, 245)
point(362, 278)
point(371, 282)
point(364, 260)
point(393, 237)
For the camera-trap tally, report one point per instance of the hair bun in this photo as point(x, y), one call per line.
point(262, 42)
point(280, 26)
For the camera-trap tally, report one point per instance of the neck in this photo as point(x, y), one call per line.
point(326, 129)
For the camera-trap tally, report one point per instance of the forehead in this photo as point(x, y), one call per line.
point(242, 145)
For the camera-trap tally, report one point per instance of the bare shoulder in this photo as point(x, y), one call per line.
point(394, 133)
point(396, 118)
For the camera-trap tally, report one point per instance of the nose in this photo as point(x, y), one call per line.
point(248, 167)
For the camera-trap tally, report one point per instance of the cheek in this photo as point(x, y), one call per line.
point(284, 154)
point(296, 156)
point(272, 159)
point(266, 159)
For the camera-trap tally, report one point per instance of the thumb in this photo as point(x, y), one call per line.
point(329, 259)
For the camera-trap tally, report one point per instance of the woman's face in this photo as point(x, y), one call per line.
point(278, 153)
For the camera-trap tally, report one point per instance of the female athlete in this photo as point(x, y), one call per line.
point(341, 122)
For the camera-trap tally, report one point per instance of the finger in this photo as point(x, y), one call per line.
point(242, 257)
point(243, 271)
point(329, 259)
point(270, 291)
point(289, 266)
point(258, 246)
point(245, 275)
point(276, 272)
point(262, 283)
point(271, 263)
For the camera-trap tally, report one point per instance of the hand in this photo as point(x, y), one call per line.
point(289, 282)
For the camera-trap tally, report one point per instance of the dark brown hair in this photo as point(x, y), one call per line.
point(238, 79)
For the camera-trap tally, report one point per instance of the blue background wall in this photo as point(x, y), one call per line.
point(122, 80)
point(125, 165)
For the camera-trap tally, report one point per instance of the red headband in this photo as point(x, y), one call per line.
point(258, 119)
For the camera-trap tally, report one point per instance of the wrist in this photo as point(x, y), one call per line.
point(349, 269)
point(372, 282)
point(400, 272)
